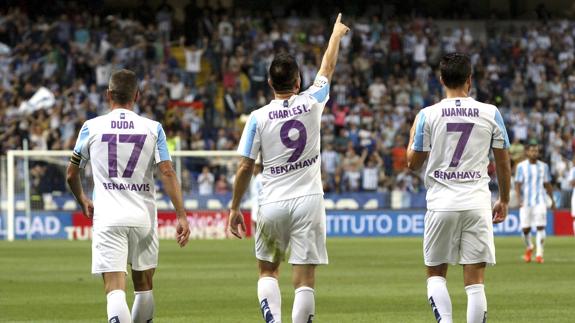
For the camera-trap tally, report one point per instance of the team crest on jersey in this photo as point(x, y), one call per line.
point(319, 82)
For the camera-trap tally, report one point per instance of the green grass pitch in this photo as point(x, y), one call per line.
point(368, 280)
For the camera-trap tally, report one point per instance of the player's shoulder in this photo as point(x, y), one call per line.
point(521, 164)
point(540, 162)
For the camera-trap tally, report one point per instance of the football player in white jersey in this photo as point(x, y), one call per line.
point(455, 136)
point(532, 180)
point(123, 149)
point(291, 212)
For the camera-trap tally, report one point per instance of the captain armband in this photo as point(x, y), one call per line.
point(76, 159)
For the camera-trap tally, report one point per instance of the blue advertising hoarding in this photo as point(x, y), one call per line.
point(392, 223)
point(41, 225)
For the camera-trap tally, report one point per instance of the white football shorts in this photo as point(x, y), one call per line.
point(533, 216)
point(458, 237)
point(297, 224)
point(114, 247)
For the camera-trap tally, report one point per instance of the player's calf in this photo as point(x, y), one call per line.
point(269, 296)
point(303, 305)
point(144, 306)
point(117, 307)
point(476, 303)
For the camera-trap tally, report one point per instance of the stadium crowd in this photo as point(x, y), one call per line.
point(200, 82)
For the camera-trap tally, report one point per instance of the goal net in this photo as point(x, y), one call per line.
point(36, 203)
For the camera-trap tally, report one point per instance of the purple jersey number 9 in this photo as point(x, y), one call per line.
point(465, 129)
point(112, 140)
point(299, 144)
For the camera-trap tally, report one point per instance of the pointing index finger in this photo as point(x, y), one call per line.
point(338, 20)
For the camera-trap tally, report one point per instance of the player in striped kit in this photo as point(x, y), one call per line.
point(532, 180)
point(287, 134)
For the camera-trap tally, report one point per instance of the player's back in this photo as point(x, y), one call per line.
point(459, 133)
point(288, 133)
point(123, 149)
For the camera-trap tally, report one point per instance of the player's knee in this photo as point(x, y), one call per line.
point(303, 275)
point(473, 274)
point(143, 280)
point(268, 269)
point(440, 270)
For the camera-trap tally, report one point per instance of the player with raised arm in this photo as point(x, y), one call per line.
point(123, 149)
point(532, 178)
point(455, 137)
point(292, 212)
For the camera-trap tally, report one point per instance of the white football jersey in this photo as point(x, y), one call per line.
point(458, 133)
point(123, 149)
point(532, 178)
point(287, 133)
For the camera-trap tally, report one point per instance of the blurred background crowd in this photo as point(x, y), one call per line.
point(201, 76)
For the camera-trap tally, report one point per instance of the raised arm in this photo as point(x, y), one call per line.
point(330, 56)
point(503, 169)
point(172, 188)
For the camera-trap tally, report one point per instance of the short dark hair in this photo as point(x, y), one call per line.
point(123, 86)
point(455, 69)
point(284, 72)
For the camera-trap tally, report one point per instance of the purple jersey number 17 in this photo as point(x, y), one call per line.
point(112, 140)
point(465, 129)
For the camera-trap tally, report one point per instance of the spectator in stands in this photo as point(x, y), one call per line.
point(206, 182)
point(387, 71)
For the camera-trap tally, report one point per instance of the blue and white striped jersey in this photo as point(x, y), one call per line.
point(532, 178)
point(123, 148)
point(287, 133)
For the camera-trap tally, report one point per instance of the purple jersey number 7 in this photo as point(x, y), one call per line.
point(465, 129)
point(112, 140)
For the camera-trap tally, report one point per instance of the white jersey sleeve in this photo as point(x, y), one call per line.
point(319, 91)
point(421, 139)
point(161, 152)
point(499, 140)
point(82, 149)
point(250, 141)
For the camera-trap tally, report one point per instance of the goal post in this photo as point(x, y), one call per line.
point(17, 180)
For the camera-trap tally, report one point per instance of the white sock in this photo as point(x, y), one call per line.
point(143, 308)
point(540, 241)
point(270, 299)
point(303, 305)
point(118, 311)
point(476, 304)
point(527, 240)
point(438, 298)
